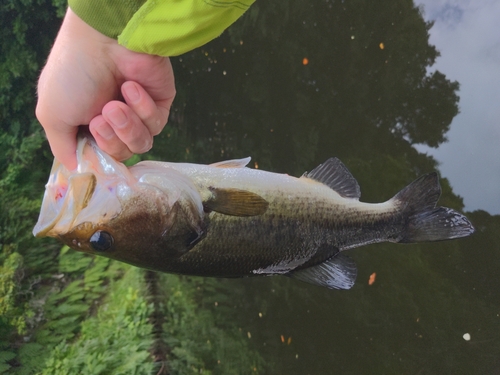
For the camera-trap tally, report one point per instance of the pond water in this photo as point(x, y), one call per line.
point(293, 83)
point(465, 34)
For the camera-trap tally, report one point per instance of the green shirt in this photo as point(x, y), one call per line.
point(160, 27)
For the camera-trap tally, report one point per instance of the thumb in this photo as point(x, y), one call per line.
point(62, 141)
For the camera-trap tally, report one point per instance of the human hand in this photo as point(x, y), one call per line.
point(81, 83)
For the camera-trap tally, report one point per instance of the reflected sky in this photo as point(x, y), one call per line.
point(466, 34)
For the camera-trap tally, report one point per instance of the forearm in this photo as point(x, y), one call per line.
point(109, 17)
point(165, 28)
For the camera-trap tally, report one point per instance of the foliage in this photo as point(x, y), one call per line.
point(116, 340)
point(23, 165)
point(199, 327)
point(9, 285)
point(59, 308)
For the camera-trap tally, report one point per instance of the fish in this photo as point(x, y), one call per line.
point(228, 220)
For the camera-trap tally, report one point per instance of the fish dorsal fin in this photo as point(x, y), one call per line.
point(334, 174)
point(338, 272)
point(236, 202)
point(235, 163)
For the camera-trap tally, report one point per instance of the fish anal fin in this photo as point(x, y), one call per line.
point(338, 272)
point(235, 163)
point(336, 176)
point(235, 202)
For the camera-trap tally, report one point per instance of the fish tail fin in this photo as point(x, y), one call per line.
point(423, 220)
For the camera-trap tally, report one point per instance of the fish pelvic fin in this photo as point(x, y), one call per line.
point(338, 272)
point(235, 202)
point(334, 174)
point(424, 221)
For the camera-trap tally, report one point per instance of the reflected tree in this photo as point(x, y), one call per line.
point(299, 82)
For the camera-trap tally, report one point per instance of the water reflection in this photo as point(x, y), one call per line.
point(362, 95)
point(466, 34)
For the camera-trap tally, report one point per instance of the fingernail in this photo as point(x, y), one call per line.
point(132, 93)
point(117, 117)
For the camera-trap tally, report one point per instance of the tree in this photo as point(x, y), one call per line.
point(27, 31)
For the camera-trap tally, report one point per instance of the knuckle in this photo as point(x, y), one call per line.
point(139, 140)
point(147, 113)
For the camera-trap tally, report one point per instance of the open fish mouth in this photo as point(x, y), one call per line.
point(68, 193)
point(65, 196)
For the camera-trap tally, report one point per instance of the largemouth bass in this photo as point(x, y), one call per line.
point(226, 220)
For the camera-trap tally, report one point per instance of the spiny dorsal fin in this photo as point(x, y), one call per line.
point(338, 272)
point(235, 163)
point(334, 174)
point(236, 202)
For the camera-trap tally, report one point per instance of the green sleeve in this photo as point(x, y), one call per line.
point(160, 27)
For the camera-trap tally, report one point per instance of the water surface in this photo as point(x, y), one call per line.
point(293, 83)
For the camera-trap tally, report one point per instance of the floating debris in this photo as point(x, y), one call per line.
point(466, 337)
point(371, 280)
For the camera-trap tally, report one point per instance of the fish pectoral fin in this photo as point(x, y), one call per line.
point(334, 174)
point(338, 272)
point(236, 202)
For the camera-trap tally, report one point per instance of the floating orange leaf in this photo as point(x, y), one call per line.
point(282, 338)
point(381, 45)
point(371, 280)
point(305, 61)
point(289, 341)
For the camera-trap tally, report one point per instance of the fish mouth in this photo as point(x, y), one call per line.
point(65, 197)
point(68, 194)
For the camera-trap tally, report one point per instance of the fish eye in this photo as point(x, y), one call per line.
point(101, 241)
